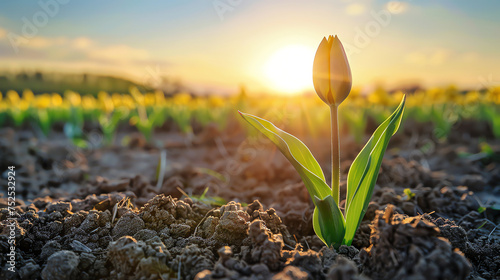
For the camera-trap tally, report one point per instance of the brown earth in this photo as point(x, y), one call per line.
point(97, 213)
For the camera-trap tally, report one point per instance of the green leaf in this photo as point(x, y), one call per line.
point(364, 172)
point(409, 194)
point(484, 223)
point(328, 221)
point(297, 153)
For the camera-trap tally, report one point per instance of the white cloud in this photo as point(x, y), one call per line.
point(82, 43)
point(44, 42)
point(355, 9)
point(118, 53)
point(76, 54)
point(81, 47)
point(434, 57)
point(397, 7)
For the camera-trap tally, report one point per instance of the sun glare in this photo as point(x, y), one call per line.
point(289, 70)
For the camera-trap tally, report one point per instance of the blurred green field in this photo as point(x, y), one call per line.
point(148, 111)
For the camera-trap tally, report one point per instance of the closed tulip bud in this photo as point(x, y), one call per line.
point(331, 72)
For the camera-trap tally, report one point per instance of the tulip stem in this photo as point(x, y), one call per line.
point(335, 153)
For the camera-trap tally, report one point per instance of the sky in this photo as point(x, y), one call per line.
point(220, 45)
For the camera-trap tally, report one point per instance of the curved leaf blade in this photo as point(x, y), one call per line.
point(297, 153)
point(364, 172)
point(328, 221)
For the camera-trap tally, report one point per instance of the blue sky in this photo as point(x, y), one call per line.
point(222, 44)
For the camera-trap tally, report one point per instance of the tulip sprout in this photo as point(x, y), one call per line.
point(332, 82)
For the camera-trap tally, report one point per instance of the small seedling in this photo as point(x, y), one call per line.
point(43, 120)
point(486, 155)
point(203, 198)
point(332, 82)
point(109, 123)
point(145, 120)
point(73, 128)
point(161, 168)
point(409, 194)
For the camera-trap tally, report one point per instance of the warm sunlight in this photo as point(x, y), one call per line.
point(220, 139)
point(289, 69)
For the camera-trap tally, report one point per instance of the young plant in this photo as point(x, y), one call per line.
point(110, 121)
point(43, 119)
point(146, 120)
point(73, 128)
point(332, 81)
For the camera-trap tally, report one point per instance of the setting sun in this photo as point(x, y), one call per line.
point(289, 69)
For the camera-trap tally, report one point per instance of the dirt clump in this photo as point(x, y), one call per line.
point(61, 266)
point(403, 246)
point(132, 259)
